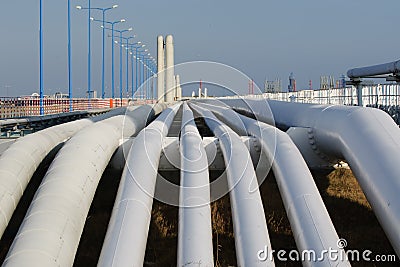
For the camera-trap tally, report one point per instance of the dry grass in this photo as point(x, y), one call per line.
point(343, 184)
point(346, 204)
point(344, 199)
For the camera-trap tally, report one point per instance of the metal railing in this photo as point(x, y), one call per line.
point(383, 96)
point(14, 107)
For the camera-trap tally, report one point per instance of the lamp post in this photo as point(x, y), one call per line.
point(69, 58)
point(112, 50)
point(137, 63)
point(127, 62)
point(134, 46)
point(146, 74)
point(41, 57)
point(120, 60)
point(120, 57)
point(103, 10)
point(141, 74)
point(89, 47)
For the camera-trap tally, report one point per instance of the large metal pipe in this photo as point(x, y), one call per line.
point(367, 138)
point(249, 223)
point(125, 241)
point(160, 69)
point(312, 227)
point(21, 159)
point(169, 71)
point(195, 246)
point(50, 232)
point(387, 68)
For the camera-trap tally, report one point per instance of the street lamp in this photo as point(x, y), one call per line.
point(103, 10)
point(41, 57)
point(142, 74)
point(120, 58)
point(69, 57)
point(136, 63)
point(89, 51)
point(141, 69)
point(134, 46)
point(127, 61)
point(112, 49)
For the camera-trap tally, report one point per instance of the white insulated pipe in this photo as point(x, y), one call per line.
point(132, 208)
point(21, 159)
point(386, 68)
point(249, 223)
point(169, 71)
point(195, 246)
point(160, 69)
point(125, 241)
point(50, 232)
point(367, 138)
point(311, 224)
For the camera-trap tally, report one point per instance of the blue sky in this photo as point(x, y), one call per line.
point(261, 38)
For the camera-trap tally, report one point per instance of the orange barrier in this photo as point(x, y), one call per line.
point(14, 107)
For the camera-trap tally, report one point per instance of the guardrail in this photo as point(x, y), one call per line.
point(383, 96)
point(14, 107)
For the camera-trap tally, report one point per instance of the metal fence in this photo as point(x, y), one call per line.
point(14, 107)
point(383, 96)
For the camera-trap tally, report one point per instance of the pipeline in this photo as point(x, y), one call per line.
point(312, 227)
point(251, 235)
point(366, 138)
point(195, 234)
point(21, 159)
point(387, 68)
point(50, 232)
point(126, 237)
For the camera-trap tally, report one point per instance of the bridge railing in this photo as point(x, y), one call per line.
point(13, 107)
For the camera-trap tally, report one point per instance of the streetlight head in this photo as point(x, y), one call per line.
point(78, 7)
point(116, 42)
point(114, 6)
point(91, 18)
point(101, 26)
point(122, 20)
point(130, 53)
point(130, 29)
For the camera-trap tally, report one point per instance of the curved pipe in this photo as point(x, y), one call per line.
point(195, 246)
point(126, 237)
point(367, 138)
point(387, 68)
point(21, 159)
point(249, 223)
point(50, 232)
point(312, 227)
